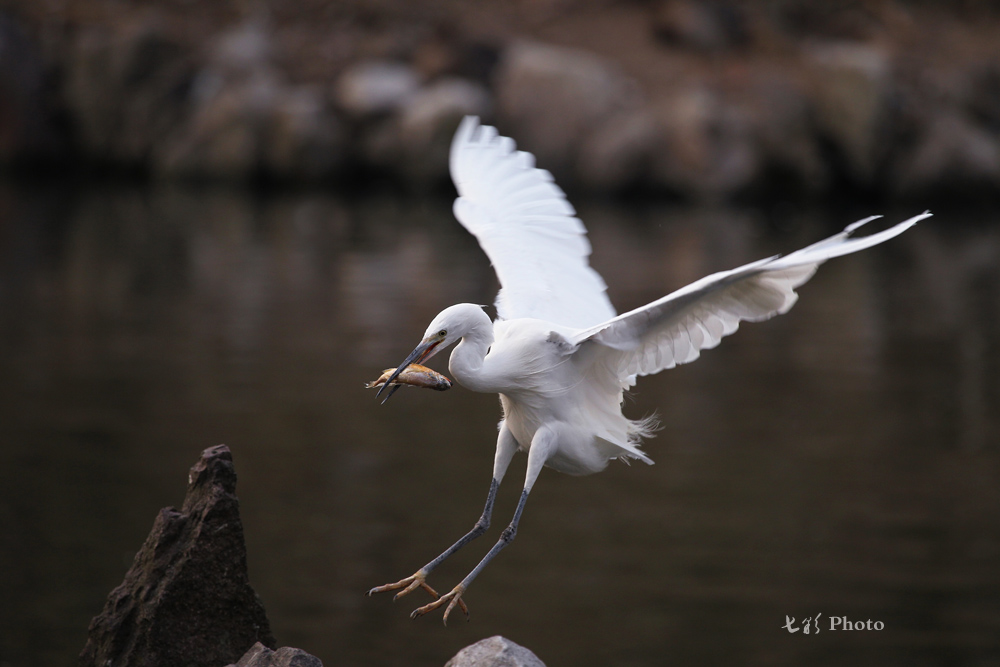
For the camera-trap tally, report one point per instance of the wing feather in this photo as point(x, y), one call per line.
point(673, 330)
point(527, 228)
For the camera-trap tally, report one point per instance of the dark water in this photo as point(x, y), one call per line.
point(841, 460)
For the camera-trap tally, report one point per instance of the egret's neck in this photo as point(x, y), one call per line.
point(466, 362)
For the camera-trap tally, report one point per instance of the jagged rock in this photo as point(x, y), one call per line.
point(261, 656)
point(186, 601)
point(552, 97)
point(495, 651)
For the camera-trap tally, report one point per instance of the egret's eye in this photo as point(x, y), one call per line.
point(442, 333)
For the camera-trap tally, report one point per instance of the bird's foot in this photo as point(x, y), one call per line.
point(452, 598)
point(417, 580)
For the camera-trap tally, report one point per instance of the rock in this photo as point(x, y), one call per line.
point(495, 651)
point(850, 94)
point(551, 98)
point(427, 124)
point(244, 48)
point(705, 148)
point(785, 135)
point(445, 99)
point(953, 154)
point(376, 87)
point(448, 52)
point(186, 601)
point(616, 155)
point(261, 656)
point(702, 26)
point(832, 20)
point(244, 117)
point(414, 142)
point(126, 90)
point(302, 138)
point(816, 96)
point(984, 96)
point(25, 125)
point(224, 136)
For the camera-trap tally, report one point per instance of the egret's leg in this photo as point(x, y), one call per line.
point(542, 446)
point(506, 446)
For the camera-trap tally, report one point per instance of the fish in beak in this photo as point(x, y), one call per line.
point(420, 353)
point(414, 376)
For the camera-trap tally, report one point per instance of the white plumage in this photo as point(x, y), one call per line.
point(528, 229)
point(557, 355)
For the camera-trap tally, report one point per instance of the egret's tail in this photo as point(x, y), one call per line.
point(640, 429)
point(636, 431)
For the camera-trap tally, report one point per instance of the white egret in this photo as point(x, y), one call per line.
point(557, 354)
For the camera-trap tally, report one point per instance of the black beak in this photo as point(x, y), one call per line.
point(421, 352)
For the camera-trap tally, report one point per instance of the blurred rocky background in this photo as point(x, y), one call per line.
point(709, 100)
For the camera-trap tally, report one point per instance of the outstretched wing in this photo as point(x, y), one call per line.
point(537, 245)
point(673, 330)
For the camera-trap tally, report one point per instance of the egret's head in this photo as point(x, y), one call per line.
point(450, 325)
point(453, 323)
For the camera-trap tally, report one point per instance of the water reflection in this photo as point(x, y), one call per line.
point(839, 460)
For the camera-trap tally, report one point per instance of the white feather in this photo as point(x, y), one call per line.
point(673, 330)
point(528, 229)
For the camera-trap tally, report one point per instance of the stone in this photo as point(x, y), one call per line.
point(785, 135)
point(376, 87)
point(447, 98)
point(808, 97)
point(187, 600)
point(426, 125)
point(701, 26)
point(302, 139)
point(223, 137)
point(245, 118)
point(261, 656)
point(125, 90)
point(552, 97)
point(26, 129)
point(244, 48)
point(705, 148)
point(984, 96)
point(616, 154)
point(952, 154)
point(495, 651)
point(850, 94)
